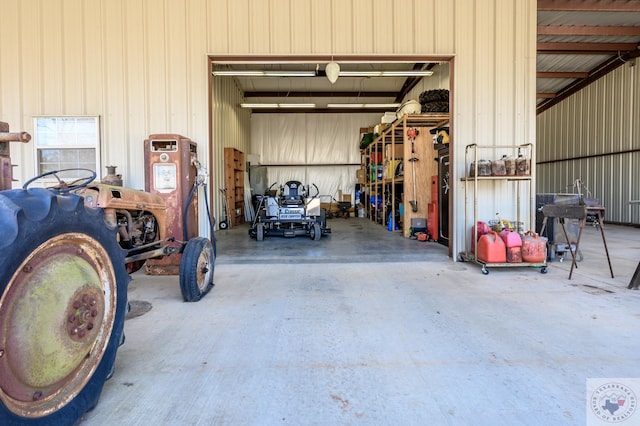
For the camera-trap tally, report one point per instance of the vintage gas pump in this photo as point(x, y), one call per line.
point(170, 171)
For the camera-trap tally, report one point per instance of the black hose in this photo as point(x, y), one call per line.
point(209, 217)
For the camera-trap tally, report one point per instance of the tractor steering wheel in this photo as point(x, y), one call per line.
point(63, 187)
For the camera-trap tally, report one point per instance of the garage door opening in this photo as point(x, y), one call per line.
point(290, 121)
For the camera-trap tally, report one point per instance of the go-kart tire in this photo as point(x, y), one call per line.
point(316, 232)
point(64, 298)
point(223, 224)
point(196, 269)
point(259, 232)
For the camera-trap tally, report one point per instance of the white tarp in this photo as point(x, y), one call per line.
point(321, 149)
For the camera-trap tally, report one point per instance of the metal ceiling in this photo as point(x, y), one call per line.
point(579, 41)
point(319, 89)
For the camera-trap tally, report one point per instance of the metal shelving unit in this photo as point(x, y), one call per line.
point(390, 186)
point(475, 181)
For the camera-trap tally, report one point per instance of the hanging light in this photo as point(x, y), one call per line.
point(333, 71)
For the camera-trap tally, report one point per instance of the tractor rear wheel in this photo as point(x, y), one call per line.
point(63, 300)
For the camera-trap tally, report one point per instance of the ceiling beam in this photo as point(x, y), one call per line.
point(585, 30)
point(589, 5)
point(585, 48)
point(559, 74)
point(311, 94)
point(319, 59)
point(596, 73)
point(545, 95)
point(412, 82)
point(319, 110)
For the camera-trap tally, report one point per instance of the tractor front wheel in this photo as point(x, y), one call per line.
point(196, 269)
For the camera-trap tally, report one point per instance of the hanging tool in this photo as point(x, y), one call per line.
point(412, 133)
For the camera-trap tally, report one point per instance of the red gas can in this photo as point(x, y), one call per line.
point(534, 247)
point(514, 254)
point(510, 238)
point(491, 248)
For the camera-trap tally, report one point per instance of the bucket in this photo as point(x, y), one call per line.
point(510, 238)
point(534, 247)
point(491, 248)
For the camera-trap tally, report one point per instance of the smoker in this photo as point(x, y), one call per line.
point(558, 245)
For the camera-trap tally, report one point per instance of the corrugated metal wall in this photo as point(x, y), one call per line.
point(595, 136)
point(230, 127)
point(142, 65)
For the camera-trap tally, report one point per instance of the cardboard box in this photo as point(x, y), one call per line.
point(396, 153)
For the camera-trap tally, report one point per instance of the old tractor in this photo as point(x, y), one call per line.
point(67, 252)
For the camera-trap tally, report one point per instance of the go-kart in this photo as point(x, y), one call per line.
point(289, 213)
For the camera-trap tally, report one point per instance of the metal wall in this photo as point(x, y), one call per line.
point(595, 136)
point(142, 65)
point(230, 127)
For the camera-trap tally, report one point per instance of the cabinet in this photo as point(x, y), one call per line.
point(397, 172)
point(514, 187)
point(234, 185)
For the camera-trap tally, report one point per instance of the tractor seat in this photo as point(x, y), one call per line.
point(292, 193)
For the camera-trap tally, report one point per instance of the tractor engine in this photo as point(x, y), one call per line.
point(136, 228)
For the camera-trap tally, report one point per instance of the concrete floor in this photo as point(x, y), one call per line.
point(375, 330)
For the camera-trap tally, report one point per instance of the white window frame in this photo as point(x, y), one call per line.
point(66, 133)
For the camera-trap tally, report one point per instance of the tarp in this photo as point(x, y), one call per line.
point(321, 149)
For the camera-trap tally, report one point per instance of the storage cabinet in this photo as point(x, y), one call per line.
point(517, 182)
point(234, 184)
point(397, 172)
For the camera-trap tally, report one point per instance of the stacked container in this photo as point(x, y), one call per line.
point(513, 243)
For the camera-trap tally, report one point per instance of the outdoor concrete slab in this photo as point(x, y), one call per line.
point(377, 343)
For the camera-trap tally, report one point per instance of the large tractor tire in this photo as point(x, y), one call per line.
point(63, 301)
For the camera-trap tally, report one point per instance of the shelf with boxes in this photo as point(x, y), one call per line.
point(397, 166)
point(234, 185)
point(499, 242)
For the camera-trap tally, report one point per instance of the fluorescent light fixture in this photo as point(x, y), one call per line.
point(360, 73)
point(256, 73)
point(296, 105)
point(283, 105)
point(406, 73)
point(259, 105)
point(345, 105)
point(363, 105)
point(239, 73)
point(385, 73)
point(289, 73)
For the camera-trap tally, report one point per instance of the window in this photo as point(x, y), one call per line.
point(67, 143)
